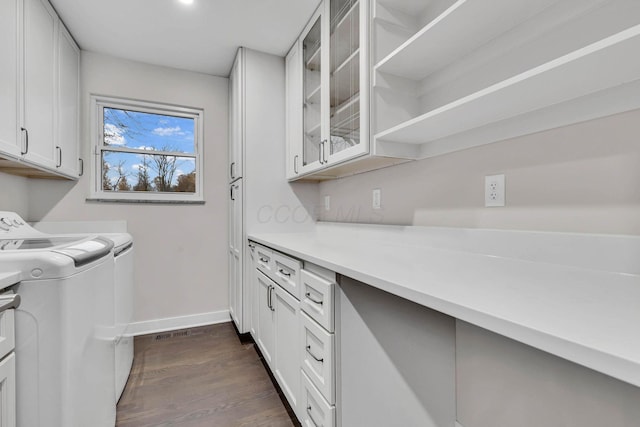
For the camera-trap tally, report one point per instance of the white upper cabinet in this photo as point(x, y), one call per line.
point(327, 86)
point(10, 138)
point(236, 117)
point(68, 104)
point(40, 25)
point(446, 75)
point(39, 84)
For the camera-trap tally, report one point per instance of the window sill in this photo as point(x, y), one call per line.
point(152, 202)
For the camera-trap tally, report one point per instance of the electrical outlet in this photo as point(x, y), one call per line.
point(327, 203)
point(375, 198)
point(494, 191)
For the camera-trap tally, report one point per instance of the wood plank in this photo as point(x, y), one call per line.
point(200, 377)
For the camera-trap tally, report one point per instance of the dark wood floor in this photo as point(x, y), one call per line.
point(199, 377)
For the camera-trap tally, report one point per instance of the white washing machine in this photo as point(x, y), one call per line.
point(64, 326)
point(123, 285)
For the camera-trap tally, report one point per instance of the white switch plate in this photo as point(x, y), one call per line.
point(327, 203)
point(494, 191)
point(375, 198)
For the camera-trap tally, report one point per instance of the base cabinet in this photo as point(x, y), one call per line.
point(266, 328)
point(287, 361)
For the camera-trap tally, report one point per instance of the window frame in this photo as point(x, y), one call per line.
point(98, 103)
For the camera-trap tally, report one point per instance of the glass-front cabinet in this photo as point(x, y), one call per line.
point(312, 78)
point(332, 56)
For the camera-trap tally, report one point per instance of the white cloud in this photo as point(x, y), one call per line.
point(139, 167)
point(168, 131)
point(146, 147)
point(113, 135)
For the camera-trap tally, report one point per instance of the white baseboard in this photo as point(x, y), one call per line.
point(172, 323)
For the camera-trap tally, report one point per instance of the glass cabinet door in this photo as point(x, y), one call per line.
point(312, 89)
point(344, 87)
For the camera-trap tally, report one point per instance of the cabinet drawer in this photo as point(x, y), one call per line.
point(315, 410)
point(264, 260)
point(7, 332)
point(317, 350)
point(317, 299)
point(286, 272)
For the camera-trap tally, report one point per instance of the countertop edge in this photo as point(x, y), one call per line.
point(601, 361)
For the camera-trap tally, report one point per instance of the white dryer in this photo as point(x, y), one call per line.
point(64, 326)
point(123, 286)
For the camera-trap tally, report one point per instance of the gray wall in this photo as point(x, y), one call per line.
point(181, 258)
point(583, 178)
point(14, 194)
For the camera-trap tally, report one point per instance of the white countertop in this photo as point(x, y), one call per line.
point(572, 295)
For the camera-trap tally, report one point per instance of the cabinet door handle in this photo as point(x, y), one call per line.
point(81, 167)
point(231, 193)
point(271, 298)
point(316, 358)
point(59, 151)
point(311, 416)
point(315, 301)
point(284, 273)
point(295, 164)
point(264, 260)
point(26, 141)
point(231, 169)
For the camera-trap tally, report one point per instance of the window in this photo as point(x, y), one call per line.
point(147, 151)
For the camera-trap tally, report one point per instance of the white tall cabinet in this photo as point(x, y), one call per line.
point(260, 198)
point(39, 84)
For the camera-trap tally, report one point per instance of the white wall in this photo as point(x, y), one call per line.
point(14, 194)
point(181, 258)
point(582, 178)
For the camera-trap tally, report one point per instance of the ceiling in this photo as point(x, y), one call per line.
point(201, 37)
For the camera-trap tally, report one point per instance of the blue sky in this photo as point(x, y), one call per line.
point(149, 132)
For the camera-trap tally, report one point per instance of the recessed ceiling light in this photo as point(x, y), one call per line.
point(186, 1)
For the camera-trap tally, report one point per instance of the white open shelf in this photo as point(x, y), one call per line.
point(462, 28)
point(604, 65)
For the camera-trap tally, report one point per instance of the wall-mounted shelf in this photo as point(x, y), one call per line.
point(481, 72)
point(464, 26)
point(597, 67)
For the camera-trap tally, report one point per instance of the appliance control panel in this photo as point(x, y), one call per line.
point(11, 223)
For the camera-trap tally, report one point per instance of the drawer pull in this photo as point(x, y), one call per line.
point(284, 273)
point(264, 260)
point(317, 359)
point(315, 301)
point(311, 416)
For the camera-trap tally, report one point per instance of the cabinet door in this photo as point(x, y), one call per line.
point(254, 289)
point(68, 103)
point(10, 70)
point(294, 110)
point(266, 335)
point(287, 331)
point(40, 26)
point(8, 391)
point(235, 254)
point(236, 116)
point(348, 71)
point(314, 89)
